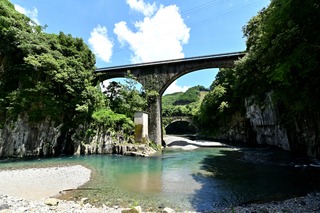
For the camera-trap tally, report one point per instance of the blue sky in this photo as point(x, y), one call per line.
point(132, 31)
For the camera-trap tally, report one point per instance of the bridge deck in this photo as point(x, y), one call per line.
point(171, 61)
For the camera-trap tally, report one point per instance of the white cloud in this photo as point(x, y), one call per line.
point(157, 37)
point(174, 87)
point(144, 8)
point(32, 14)
point(100, 43)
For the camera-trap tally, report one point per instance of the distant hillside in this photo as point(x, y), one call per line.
point(183, 103)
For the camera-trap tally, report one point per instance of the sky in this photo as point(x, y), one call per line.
point(121, 32)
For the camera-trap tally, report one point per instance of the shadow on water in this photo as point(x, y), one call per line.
point(238, 177)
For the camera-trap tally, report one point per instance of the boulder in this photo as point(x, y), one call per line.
point(168, 210)
point(4, 206)
point(51, 202)
point(136, 209)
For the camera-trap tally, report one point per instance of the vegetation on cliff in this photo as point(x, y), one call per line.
point(282, 59)
point(44, 75)
point(183, 103)
point(50, 77)
point(221, 106)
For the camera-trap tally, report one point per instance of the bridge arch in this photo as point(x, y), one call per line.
point(181, 128)
point(157, 76)
point(182, 73)
point(169, 121)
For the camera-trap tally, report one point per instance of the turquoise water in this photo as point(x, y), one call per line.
point(199, 180)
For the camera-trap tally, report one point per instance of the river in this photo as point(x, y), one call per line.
point(203, 179)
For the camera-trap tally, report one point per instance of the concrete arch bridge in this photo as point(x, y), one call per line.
point(157, 77)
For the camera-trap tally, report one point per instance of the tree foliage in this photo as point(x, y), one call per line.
point(49, 76)
point(43, 75)
point(126, 98)
point(283, 51)
point(183, 103)
point(108, 119)
point(221, 103)
point(282, 59)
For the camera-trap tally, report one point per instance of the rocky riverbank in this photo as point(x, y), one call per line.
point(306, 204)
point(10, 204)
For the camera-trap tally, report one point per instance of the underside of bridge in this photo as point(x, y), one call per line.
point(156, 77)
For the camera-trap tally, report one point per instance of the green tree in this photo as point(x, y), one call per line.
point(111, 121)
point(183, 103)
point(126, 98)
point(219, 107)
point(44, 75)
point(283, 54)
point(283, 51)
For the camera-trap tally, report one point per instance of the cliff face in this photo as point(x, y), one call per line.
point(25, 139)
point(261, 125)
point(300, 136)
point(265, 125)
point(22, 139)
point(100, 143)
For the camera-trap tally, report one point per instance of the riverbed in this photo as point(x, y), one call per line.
point(202, 179)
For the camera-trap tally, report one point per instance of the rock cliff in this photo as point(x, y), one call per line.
point(262, 125)
point(299, 135)
point(25, 139)
point(266, 126)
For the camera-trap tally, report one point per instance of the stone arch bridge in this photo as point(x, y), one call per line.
point(167, 120)
point(157, 77)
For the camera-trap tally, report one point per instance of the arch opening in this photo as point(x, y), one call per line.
point(124, 96)
point(122, 81)
point(189, 78)
point(181, 128)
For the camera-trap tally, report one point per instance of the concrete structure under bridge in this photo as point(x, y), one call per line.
point(157, 76)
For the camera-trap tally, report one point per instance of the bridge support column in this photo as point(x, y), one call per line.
point(155, 128)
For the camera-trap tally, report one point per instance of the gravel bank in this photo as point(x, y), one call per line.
point(39, 183)
point(10, 204)
point(306, 204)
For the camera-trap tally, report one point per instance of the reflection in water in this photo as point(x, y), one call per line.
point(140, 178)
point(199, 180)
point(250, 176)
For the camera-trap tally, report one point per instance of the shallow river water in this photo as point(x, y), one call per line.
point(201, 180)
